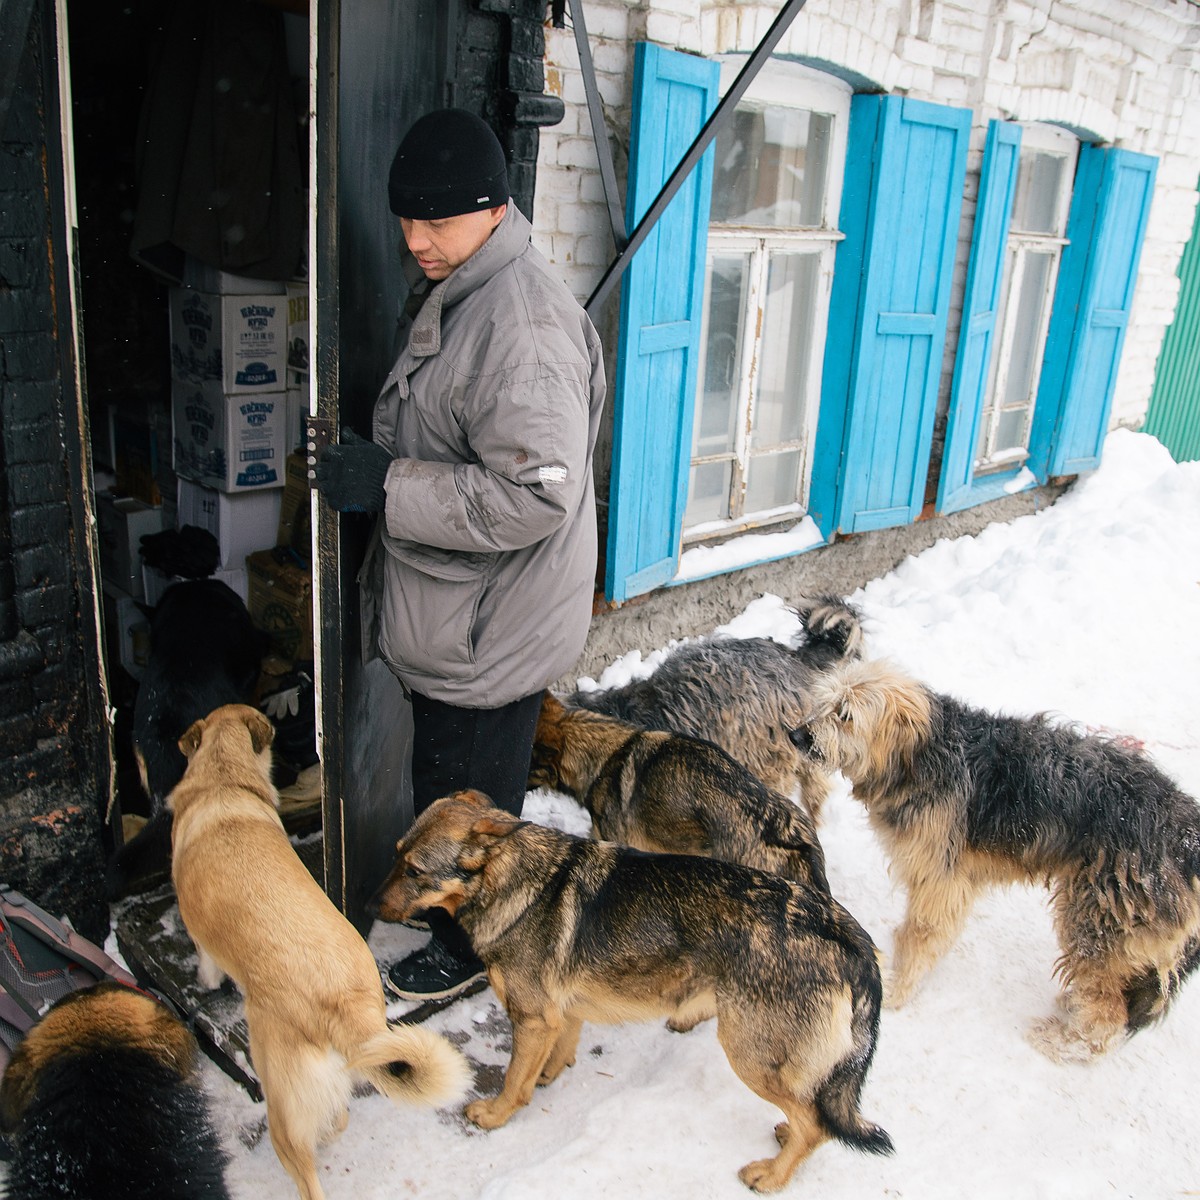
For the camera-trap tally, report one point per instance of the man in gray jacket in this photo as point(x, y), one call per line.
point(481, 466)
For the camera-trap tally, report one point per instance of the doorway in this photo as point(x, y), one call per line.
point(151, 239)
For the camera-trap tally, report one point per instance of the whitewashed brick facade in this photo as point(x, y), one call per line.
point(1122, 72)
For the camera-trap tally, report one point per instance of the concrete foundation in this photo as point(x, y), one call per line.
point(694, 609)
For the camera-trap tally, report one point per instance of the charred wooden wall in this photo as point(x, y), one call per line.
point(51, 775)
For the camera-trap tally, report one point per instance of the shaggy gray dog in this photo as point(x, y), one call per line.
point(744, 694)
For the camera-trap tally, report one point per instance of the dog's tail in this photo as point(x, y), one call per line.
point(1149, 995)
point(833, 631)
point(837, 1098)
point(837, 1105)
point(408, 1063)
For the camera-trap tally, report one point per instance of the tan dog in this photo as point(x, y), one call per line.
point(573, 930)
point(314, 1003)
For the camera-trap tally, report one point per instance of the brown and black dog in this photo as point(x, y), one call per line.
point(672, 793)
point(574, 930)
point(314, 1002)
point(964, 799)
point(103, 1098)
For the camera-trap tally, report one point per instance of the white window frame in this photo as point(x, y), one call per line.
point(1019, 245)
point(790, 85)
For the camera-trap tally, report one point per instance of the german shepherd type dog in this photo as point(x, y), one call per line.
point(573, 930)
point(744, 694)
point(205, 651)
point(102, 1098)
point(669, 792)
point(314, 1002)
point(963, 799)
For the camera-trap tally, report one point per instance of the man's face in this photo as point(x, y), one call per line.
point(442, 246)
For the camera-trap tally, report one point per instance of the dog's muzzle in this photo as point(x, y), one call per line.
point(802, 739)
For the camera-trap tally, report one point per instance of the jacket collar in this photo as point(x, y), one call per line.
point(506, 243)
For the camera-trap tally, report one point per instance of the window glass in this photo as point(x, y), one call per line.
point(786, 347)
point(771, 168)
point(1031, 299)
point(1036, 207)
point(708, 493)
point(772, 481)
point(725, 311)
point(1011, 429)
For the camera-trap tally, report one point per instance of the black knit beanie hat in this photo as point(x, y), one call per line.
point(448, 163)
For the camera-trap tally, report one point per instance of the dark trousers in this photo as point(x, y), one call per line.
point(483, 748)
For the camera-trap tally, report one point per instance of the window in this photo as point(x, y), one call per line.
point(771, 240)
point(817, 350)
point(1045, 309)
point(1035, 241)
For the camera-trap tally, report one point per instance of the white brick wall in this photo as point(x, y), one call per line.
point(1125, 72)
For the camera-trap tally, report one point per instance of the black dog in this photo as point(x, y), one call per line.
point(205, 651)
point(102, 1099)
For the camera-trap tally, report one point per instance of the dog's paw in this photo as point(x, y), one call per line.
point(488, 1114)
point(764, 1175)
point(552, 1070)
point(1062, 1042)
point(897, 989)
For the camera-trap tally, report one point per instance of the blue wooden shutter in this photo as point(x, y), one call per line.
point(902, 197)
point(662, 295)
point(985, 276)
point(1110, 206)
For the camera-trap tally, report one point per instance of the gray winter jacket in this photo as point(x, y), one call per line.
point(488, 534)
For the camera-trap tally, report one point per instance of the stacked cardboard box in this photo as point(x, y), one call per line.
point(240, 394)
point(280, 601)
point(121, 522)
point(228, 390)
point(242, 522)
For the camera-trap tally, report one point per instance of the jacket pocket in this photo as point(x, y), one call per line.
point(430, 605)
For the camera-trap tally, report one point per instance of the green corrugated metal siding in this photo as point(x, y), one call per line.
point(1174, 413)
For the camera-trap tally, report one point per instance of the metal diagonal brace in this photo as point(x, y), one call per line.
point(695, 152)
point(608, 174)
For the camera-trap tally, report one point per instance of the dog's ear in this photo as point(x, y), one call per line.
point(190, 742)
point(262, 732)
point(498, 826)
point(482, 836)
point(552, 706)
point(474, 797)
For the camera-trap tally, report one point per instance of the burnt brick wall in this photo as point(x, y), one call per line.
point(500, 74)
point(50, 731)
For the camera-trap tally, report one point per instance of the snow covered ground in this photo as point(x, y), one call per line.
point(1089, 609)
